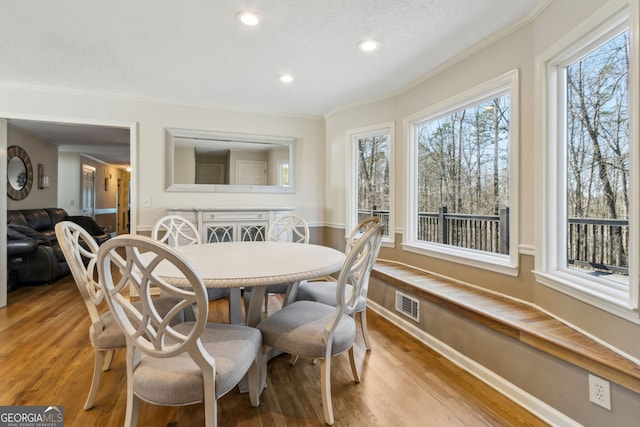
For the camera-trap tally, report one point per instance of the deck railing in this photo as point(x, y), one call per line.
point(599, 244)
point(595, 244)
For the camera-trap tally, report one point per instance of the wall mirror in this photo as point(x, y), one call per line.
point(19, 173)
point(210, 161)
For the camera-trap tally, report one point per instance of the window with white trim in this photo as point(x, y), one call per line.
point(370, 177)
point(589, 233)
point(461, 180)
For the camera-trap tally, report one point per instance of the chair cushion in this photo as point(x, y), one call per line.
point(178, 380)
point(110, 337)
point(325, 292)
point(298, 328)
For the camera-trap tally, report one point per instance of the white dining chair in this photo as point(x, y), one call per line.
point(285, 228)
point(80, 251)
point(320, 331)
point(173, 365)
point(176, 230)
point(325, 291)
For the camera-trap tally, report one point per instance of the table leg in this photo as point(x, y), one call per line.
point(235, 306)
point(292, 291)
point(254, 311)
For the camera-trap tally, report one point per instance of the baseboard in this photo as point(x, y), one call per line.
point(534, 405)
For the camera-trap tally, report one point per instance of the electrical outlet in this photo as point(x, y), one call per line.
point(599, 391)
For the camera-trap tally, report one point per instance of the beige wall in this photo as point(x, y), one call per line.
point(70, 177)
point(517, 50)
point(558, 384)
point(186, 158)
point(39, 152)
point(149, 119)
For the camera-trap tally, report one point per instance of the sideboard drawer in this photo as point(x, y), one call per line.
point(235, 216)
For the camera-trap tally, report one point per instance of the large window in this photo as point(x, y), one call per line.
point(597, 158)
point(589, 233)
point(461, 180)
point(370, 180)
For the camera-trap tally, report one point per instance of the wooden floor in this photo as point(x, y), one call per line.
point(46, 359)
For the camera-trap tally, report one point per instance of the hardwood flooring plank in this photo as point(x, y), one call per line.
point(46, 358)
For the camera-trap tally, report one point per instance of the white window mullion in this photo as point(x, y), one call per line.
point(618, 297)
point(504, 87)
point(352, 164)
point(634, 154)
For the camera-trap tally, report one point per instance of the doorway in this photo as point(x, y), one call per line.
point(88, 191)
point(79, 136)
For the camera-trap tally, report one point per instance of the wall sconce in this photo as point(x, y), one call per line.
point(43, 180)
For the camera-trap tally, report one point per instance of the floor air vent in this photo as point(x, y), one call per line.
point(408, 306)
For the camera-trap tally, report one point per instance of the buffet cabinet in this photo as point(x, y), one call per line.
point(231, 225)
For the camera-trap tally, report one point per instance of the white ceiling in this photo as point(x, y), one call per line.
point(196, 52)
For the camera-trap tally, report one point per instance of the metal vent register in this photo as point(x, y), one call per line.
point(408, 306)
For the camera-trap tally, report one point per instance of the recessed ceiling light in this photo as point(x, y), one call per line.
point(368, 45)
point(286, 78)
point(249, 19)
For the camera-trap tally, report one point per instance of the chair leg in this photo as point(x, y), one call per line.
point(354, 367)
point(256, 380)
point(293, 360)
point(131, 412)
point(266, 302)
point(98, 363)
point(365, 331)
point(325, 382)
point(108, 359)
point(210, 400)
point(264, 358)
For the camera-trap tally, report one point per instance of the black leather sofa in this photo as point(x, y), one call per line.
point(34, 256)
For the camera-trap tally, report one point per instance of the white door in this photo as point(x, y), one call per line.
point(88, 190)
point(251, 173)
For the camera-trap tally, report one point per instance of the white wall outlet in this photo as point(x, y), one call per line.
point(146, 201)
point(599, 391)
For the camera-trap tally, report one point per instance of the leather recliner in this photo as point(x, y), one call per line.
point(34, 256)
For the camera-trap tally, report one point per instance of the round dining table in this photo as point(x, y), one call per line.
point(255, 265)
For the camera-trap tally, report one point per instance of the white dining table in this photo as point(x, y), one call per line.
point(255, 265)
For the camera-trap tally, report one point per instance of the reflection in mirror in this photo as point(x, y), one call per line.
point(228, 162)
point(19, 173)
point(16, 173)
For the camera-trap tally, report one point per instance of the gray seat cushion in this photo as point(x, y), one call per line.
point(297, 329)
point(110, 337)
point(234, 348)
point(324, 292)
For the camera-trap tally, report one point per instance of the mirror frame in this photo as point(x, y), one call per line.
point(170, 185)
point(15, 151)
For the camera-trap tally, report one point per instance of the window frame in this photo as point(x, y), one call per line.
point(352, 137)
point(551, 253)
point(507, 83)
